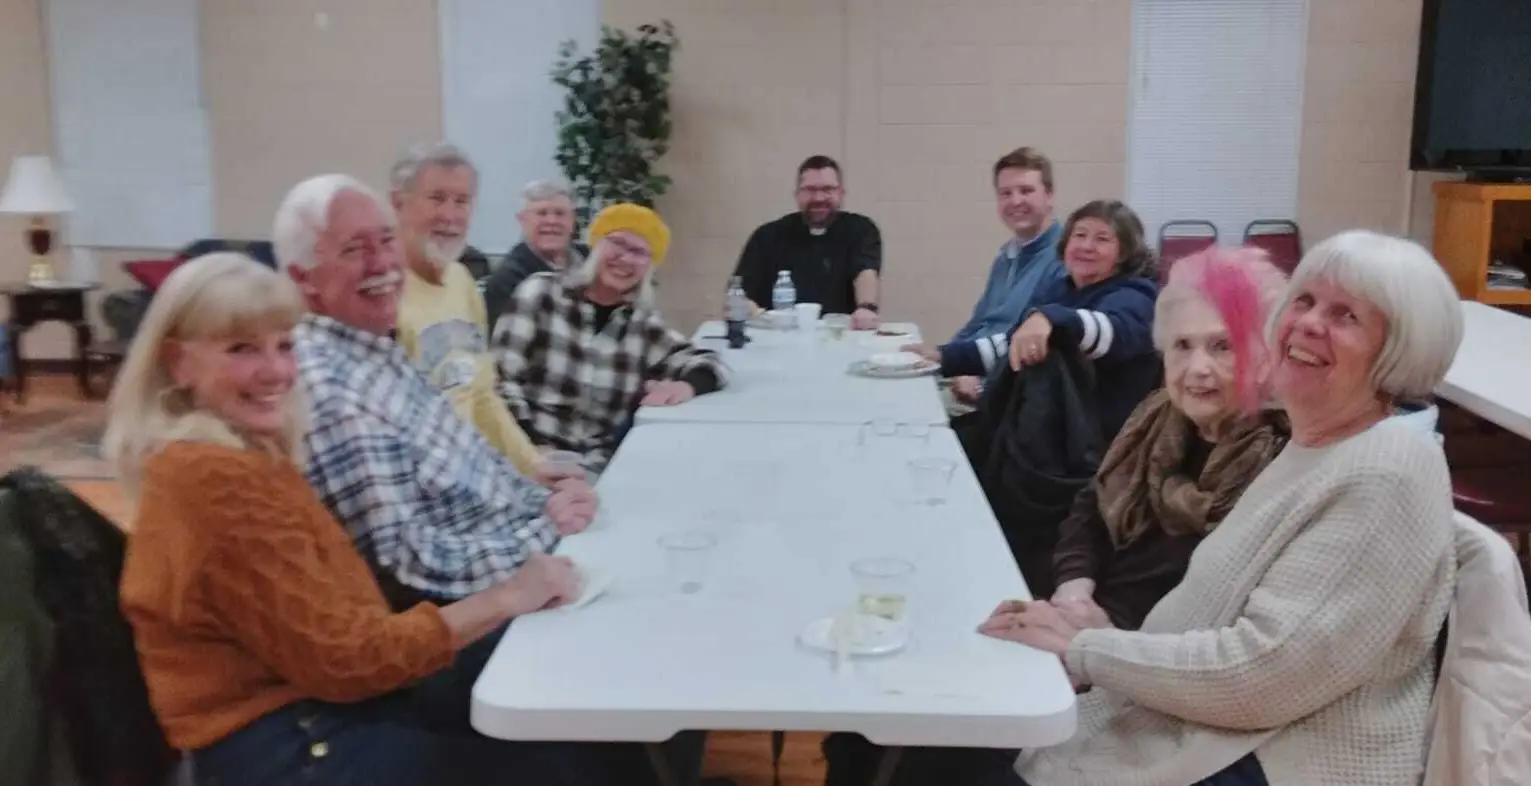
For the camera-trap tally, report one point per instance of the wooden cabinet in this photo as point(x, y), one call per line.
point(1476, 223)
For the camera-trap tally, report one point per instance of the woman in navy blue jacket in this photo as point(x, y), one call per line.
point(1105, 305)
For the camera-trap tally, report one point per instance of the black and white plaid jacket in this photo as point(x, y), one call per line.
point(570, 385)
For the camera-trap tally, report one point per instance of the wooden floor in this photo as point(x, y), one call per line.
point(744, 757)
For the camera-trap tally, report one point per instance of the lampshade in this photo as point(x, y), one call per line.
point(34, 188)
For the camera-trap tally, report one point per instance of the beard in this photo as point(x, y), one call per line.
point(819, 216)
point(441, 255)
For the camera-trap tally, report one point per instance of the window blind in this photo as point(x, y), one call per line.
point(1215, 120)
point(129, 129)
point(498, 101)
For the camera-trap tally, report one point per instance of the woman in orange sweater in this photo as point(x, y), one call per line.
point(268, 649)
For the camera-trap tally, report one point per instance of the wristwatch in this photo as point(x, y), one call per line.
point(872, 307)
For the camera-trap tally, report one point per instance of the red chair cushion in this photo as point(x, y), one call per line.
point(1284, 249)
point(151, 272)
point(1174, 249)
point(1497, 496)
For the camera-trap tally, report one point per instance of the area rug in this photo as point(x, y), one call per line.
point(63, 441)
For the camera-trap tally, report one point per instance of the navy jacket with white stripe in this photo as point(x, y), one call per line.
point(1110, 321)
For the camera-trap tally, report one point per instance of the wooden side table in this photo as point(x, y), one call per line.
point(33, 305)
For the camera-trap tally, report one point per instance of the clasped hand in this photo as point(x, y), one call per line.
point(667, 392)
point(572, 506)
point(1035, 623)
point(1028, 344)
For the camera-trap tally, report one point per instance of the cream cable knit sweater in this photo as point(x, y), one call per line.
point(1303, 632)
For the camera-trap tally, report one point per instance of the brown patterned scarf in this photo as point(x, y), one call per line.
point(1142, 481)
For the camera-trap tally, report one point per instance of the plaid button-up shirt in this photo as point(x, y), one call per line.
point(426, 499)
point(572, 385)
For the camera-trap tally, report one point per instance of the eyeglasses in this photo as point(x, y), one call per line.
point(818, 190)
point(629, 248)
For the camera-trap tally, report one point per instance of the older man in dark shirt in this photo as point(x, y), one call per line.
point(547, 231)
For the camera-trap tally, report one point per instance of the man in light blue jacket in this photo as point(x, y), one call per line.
point(1026, 264)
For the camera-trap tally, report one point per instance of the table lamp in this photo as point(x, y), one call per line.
point(34, 189)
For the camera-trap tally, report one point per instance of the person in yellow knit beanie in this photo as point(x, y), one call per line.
point(638, 220)
point(580, 350)
point(443, 325)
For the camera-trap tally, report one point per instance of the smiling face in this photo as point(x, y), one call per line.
point(1023, 201)
point(244, 381)
point(818, 195)
point(434, 214)
point(1327, 343)
point(1199, 367)
point(1093, 251)
point(358, 266)
point(625, 259)
point(548, 225)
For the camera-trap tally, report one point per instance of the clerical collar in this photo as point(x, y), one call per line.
point(818, 231)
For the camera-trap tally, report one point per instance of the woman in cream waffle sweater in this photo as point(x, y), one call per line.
point(1297, 651)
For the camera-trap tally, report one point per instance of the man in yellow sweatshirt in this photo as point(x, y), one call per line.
point(442, 323)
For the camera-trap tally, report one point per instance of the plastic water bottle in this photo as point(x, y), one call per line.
point(738, 313)
point(783, 295)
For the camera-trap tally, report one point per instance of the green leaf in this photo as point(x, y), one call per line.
point(615, 124)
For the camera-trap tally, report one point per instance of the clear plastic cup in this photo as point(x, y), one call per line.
point(930, 478)
point(917, 430)
point(882, 589)
point(686, 558)
point(835, 325)
point(563, 464)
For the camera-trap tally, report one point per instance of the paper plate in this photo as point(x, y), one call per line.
point(869, 635)
point(895, 361)
point(862, 368)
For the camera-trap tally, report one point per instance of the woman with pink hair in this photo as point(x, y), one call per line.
point(1180, 461)
point(1188, 451)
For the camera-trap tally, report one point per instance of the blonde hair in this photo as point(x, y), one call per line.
point(213, 297)
point(642, 295)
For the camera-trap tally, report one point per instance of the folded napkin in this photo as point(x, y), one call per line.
point(593, 583)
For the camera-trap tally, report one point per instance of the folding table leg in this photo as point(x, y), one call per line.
point(886, 766)
point(662, 769)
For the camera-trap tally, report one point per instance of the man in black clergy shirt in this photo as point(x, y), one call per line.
point(834, 256)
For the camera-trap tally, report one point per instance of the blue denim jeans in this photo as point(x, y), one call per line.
point(418, 735)
point(377, 743)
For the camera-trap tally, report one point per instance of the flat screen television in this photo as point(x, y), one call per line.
point(1472, 97)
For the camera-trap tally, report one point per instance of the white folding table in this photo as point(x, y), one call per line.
point(1486, 378)
point(792, 506)
point(802, 377)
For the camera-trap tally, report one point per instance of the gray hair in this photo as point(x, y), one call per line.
point(418, 158)
point(543, 190)
point(584, 273)
point(1413, 292)
point(304, 215)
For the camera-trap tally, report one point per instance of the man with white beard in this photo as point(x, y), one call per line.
point(443, 326)
point(437, 511)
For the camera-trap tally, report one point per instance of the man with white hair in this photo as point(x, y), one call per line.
point(547, 232)
point(443, 325)
point(437, 511)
